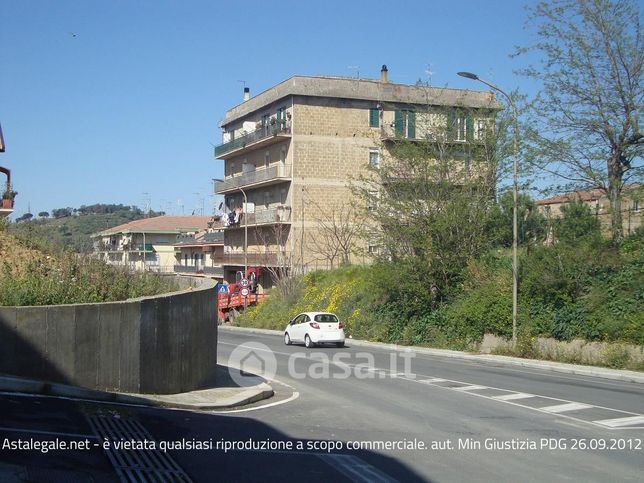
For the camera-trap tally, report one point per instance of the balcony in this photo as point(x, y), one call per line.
point(259, 177)
point(281, 214)
point(6, 208)
point(264, 136)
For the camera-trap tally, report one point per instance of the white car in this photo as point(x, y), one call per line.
point(313, 328)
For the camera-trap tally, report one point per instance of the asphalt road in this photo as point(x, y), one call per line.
point(352, 414)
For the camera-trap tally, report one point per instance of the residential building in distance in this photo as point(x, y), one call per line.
point(162, 243)
point(599, 205)
point(292, 152)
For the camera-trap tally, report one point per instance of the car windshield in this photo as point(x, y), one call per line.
point(325, 318)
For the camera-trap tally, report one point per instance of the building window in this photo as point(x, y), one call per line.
point(374, 158)
point(373, 249)
point(636, 205)
point(483, 128)
point(405, 124)
point(461, 129)
point(372, 201)
point(374, 117)
point(267, 159)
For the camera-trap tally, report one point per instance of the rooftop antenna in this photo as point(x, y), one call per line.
point(429, 73)
point(356, 68)
point(242, 81)
point(148, 203)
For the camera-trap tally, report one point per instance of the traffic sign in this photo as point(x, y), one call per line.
point(245, 292)
point(244, 282)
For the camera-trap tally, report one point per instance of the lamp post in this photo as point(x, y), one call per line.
point(245, 226)
point(515, 230)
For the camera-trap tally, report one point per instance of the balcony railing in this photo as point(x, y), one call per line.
point(259, 176)
point(266, 259)
point(258, 135)
point(281, 214)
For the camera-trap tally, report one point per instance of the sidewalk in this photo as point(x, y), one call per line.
point(560, 367)
point(225, 396)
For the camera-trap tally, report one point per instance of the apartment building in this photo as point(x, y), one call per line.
point(599, 205)
point(160, 244)
point(292, 152)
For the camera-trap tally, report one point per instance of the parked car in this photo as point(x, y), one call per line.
point(313, 328)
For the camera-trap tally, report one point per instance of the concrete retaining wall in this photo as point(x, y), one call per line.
point(164, 344)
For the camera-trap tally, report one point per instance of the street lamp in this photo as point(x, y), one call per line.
point(515, 230)
point(245, 226)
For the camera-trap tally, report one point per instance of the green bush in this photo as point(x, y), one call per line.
point(70, 279)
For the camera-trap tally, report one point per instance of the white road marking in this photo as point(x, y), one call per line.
point(432, 380)
point(473, 387)
point(621, 422)
point(513, 396)
point(562, 408)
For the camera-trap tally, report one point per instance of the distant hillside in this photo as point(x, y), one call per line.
point(72, 227)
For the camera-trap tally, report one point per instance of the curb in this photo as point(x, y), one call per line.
point(560, 367)
point(246, 396)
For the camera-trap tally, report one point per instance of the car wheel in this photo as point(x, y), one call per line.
point(339, 344)
point(287, 339)
point(308, 342)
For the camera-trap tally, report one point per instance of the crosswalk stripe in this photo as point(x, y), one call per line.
point(562, 408)
point(620, 422)
point(513, 396)
point(473, 387)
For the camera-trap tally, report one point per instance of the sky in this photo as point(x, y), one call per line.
point(119, 101)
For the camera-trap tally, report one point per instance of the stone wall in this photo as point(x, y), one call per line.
point(164, 344)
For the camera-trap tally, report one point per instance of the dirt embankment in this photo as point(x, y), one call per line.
point(16, 257)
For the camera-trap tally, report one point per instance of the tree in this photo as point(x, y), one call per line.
point(577, 223)
point(43, 214)
point(25, 217)
point(531, 224)
point(337, 233)
point(429, 203)
point(584, 125)
point(61, 212)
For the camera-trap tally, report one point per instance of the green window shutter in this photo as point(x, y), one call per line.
point(398, 123)
point(451, 125)
point(374, 117)
point(411, 124)
point(469, 123)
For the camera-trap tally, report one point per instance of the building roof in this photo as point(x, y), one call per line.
point(160, 224)
point(587, 195)
point(365, 89)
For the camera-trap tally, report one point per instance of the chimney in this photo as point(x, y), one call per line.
point(384, 77)
point(246, 93)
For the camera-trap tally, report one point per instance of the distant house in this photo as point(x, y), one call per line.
point(599, 205)
point(200, 254)
point(149, 244)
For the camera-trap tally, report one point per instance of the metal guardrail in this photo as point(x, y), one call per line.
point(252, 137)
point(254, 177)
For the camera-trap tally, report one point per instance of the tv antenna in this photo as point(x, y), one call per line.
point(356, 68)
